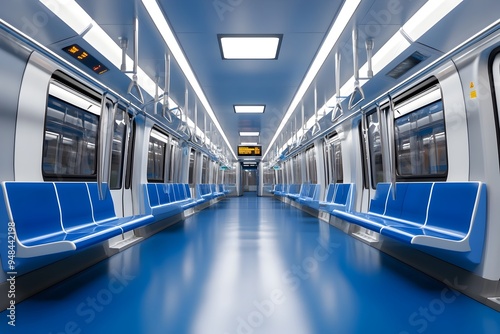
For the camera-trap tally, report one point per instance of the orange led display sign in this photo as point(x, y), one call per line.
point(85, 58)
point(250, 151)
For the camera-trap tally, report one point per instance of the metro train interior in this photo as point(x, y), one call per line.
point(237, 166)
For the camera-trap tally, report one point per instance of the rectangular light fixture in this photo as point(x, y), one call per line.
point(427, 16)
point(249, 144)
point(249, 134)
point(340, 23)
point(76, 18)
point(249, 109)
point(247, 47)
point(156, 14)
point(413, 29)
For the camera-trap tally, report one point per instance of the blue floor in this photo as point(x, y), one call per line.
point(251, 265)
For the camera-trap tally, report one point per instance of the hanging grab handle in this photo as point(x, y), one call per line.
point(108, 111)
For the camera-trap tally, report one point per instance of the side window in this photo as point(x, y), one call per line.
point(420, 136)
point(288, 167)
point(156, 156)
point(204, 170)
point(310, 155)
point(70, 139)
point(230, 176)
point(297, 169)
point(215, 170)
point(174, 160)
point(118, 149)
point(192, 156)
point(333, 160)
point(220, 174)
point(279, 176)
point(268, 176)
point(130, 157)
point(375, 143)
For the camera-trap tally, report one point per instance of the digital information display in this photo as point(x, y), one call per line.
point(250, 151)
point(85, 58)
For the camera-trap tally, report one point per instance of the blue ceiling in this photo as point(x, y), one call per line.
point(303, 23)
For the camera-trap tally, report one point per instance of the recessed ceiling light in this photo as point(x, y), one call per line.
point(249, 46)
point(249, 109)
point(249, 144)
point(249, 134)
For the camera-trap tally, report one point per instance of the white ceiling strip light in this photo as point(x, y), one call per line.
point(77, 19)
point(423, 20)
point(159, 20)
point(336, 30)
point(250, 47)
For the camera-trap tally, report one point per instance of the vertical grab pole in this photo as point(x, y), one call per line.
point(364, 129)
point(195, 137)
point(392, 148)
point(105, 141)
point(337, 111)
point(166, 92)
point(383, 145)
point(134, 82)
point(316, 127)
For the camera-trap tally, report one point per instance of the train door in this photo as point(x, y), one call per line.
point(249, 179)
point(120, 156)
point(496, 78)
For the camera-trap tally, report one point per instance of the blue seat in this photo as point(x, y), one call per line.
point(285, 190)
point(215, 190)
point(330, 192)
point(406, 209)
point(104, 211)
point(204, 191)
point(40, 226)
point(161, 200)
point(311, 197)
point(52, 218)
point(450, 216)
point(440, 217)
point(182, 197)
point(295, 190)
point(341, 198)
point(77, 213)
point(189, 195)
point(222, 189)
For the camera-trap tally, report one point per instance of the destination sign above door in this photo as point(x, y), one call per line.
point(250, 151)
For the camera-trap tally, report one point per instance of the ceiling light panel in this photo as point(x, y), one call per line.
point(250, 46)
point(249, 134)
point(249, 109)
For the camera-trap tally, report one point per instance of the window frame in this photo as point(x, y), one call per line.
point(69, 86)
point(165, 141)
point(427, 87)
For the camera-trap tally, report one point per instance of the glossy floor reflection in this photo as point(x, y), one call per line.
point(251, 265)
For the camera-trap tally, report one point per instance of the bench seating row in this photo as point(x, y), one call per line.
point(305, 194)
point(338, 196)
point(448, 216)
point(165, 200)
point(44, 218)
point(445, 219)
point(56, 217)
point(209, 191)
